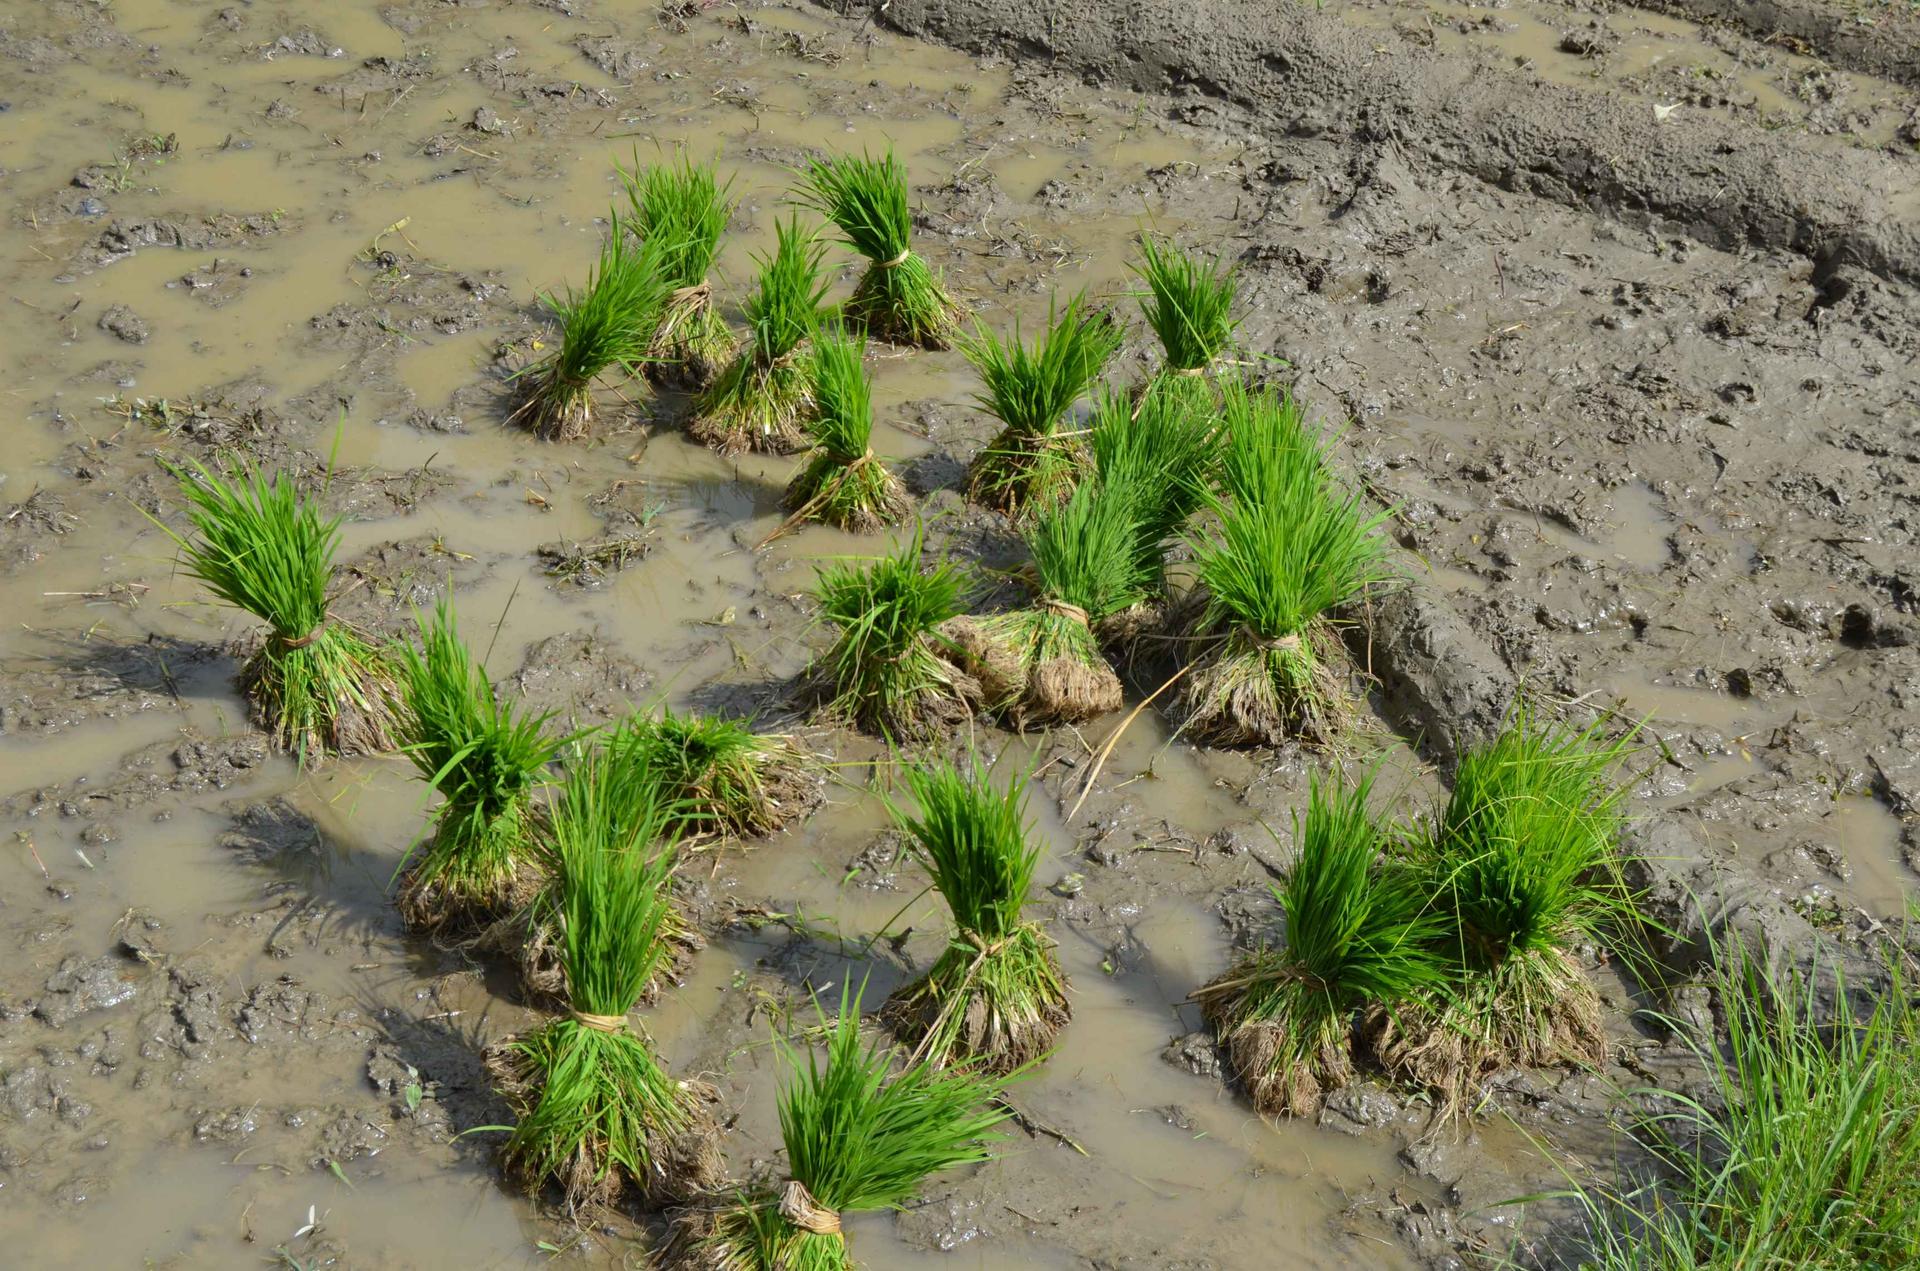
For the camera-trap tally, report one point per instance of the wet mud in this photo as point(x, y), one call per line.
point(1638, 387)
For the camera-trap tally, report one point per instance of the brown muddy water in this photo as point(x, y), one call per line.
point(327, 228)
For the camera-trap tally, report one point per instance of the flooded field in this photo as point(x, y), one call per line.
point(1643, 475)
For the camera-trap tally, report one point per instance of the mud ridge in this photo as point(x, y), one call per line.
point(1302, 72)
point(1886, 44)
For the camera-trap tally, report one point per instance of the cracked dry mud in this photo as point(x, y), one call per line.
point(1626, 336)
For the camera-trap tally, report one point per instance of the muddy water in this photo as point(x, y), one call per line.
point(267, 1140)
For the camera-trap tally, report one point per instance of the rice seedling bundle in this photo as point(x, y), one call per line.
point(685, 207)
point(844, 484)
point(900, 299)
point(1803, 1152)
point(486, 760)
point(859, 1138)
point(1361, 931)
point(1289, 545)
point(1189, 304)
point(1522, 860)
point(1033, 462)
point(1164, 444)
point(597, 1112)
point(889, 668)
point(761, 399)
point(997, 997)
point(608, 326)
point(727, 780)
point(314, 683)
point(1043, 663)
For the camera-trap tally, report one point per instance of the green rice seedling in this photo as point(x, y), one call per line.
point(729, 781)
point(486, 760)
point(1043, 664)
point(1165, 444)
point(900, 298)
point(1523, 861)
point(889, 667)
point(1361, 931)
point(844, 484)
point(314, 683)
point(597, 1111)
point(1288, 546)
point(859, 1138)
point(997, 997)
point(1804, 1150)
point(761, 400)
point(1189, 304)
point(608, 326)
point(686, 207)
point(1034, 462)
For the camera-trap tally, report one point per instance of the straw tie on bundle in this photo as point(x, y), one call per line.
point(798, 1207)
point(600, 1023)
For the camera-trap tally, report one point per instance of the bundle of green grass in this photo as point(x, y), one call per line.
point(1287, 546)
point(1523, 864)
point(481, 862)
point(844, 484)
point(996, 998)
point(728, 781)
point(1361, 932)
point(859, 1138)
point(890, 669)
point(598, 1113)
point(900, 299)
point(314, 684)
point(762, 400)
point(1163, 444)
point(1043, 664)
point(1189, 305)
point(1034, 461)
point(608, 326)
point(684, 207)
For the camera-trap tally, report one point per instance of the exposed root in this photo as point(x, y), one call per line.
point(685, 1164)
point(1247, 692)
point(996, 665)
point(1069, 691)
point(755, 407)
point(1019, 474)
point(454, 915)
point(999, 1005)
point(1545, 1013)
point(351, 696)
point(692, 344)
point(1266, 1055)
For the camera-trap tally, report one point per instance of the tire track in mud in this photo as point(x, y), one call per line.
point(1302, 72)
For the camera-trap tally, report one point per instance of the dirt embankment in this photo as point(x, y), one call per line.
point(1877, 38)
point(1300, 71)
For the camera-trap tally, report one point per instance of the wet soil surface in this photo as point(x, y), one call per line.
point(1647, 455)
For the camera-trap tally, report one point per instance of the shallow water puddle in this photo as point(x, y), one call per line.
point(1867, 835)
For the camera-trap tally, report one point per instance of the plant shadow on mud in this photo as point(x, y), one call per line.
point(320, 902)
point(102, 667)
point(441, 1061)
